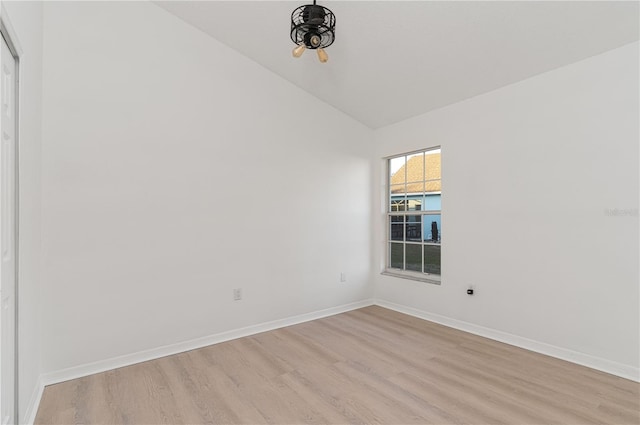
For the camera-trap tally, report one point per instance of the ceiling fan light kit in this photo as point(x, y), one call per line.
point(312, 27)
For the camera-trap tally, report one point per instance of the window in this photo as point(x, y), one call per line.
point(414, 227)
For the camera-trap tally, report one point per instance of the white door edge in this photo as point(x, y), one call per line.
point(9, 194)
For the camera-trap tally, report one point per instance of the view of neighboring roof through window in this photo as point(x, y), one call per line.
point(414, 218)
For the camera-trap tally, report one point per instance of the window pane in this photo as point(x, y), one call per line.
point(396, 254)
point(416, 188)
point(414, 257)
point(398, 198)
point(415, 204)
point(397, 170)
point(432, 228)
point(415, 168)
point(398, 205)
point(398, 191)
point(414, 228)
point(431, 186)
point(396, 228)
point(432, 202)
point(433, 171)
point(432, 259)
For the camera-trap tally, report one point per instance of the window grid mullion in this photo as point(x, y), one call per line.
point(424, 205)
point(404, 220)
point(414, 213)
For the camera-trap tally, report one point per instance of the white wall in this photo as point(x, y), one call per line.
point(528, 172)
point(174, 170)
point(26, 20)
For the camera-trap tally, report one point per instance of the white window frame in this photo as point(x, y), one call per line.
point(401, 273)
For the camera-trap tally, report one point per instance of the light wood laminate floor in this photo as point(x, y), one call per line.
point(366, 366)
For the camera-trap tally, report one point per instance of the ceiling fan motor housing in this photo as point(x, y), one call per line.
point(313, 26)
point(313, 14)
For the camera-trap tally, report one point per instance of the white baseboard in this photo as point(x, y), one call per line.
point(167, 350)
point(617, 369)
point(32, 408)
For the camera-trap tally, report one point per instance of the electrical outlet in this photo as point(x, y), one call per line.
point(343, 277)
point(237, 294)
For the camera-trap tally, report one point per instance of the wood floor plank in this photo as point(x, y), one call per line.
point(368, 366)
point(333, 408)
point(369, 379)
point(331, 337)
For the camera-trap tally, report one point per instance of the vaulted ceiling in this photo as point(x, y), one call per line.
point(396, 59)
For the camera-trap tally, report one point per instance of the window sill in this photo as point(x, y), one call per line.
point(419, 277)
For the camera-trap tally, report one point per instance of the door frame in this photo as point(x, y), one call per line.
point(11, 38)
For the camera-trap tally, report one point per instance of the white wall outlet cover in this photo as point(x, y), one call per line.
point(237, 294)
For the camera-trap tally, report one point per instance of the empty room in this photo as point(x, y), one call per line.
point(323, 212)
